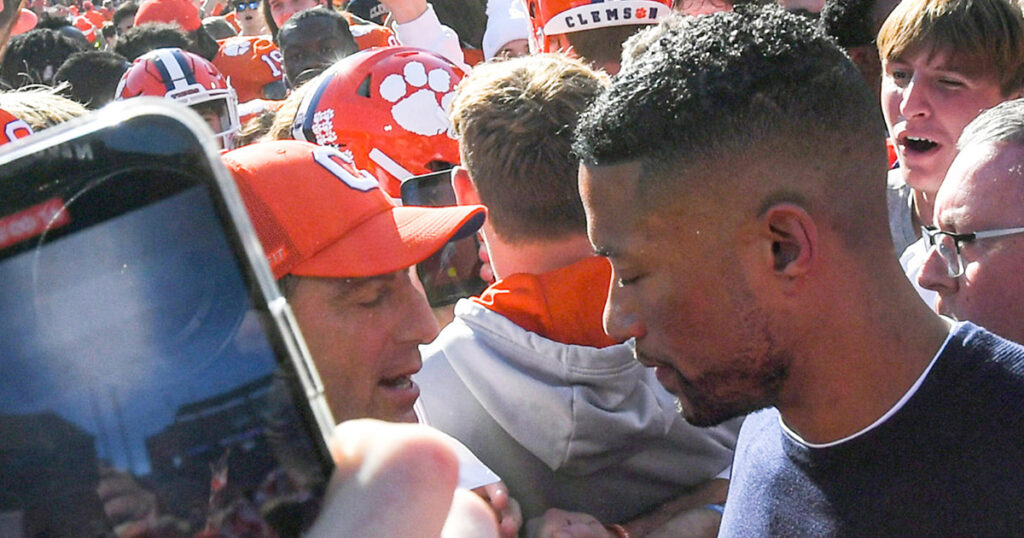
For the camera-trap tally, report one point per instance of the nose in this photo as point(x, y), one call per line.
point(621, 321)
point(420, 325)
point(915, 101)
point(935, 275)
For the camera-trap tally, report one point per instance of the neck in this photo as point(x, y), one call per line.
point(862, 357)
point(924, 204)
point(535, 257)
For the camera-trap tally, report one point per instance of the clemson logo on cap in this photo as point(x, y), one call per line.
point(344, 169)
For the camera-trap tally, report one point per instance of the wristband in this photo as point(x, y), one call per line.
point(619, 530)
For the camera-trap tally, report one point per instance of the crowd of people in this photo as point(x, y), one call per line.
point(741, 259)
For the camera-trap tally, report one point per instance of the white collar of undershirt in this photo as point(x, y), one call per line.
point(892, 411)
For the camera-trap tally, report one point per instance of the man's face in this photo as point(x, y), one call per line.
point(984, 190)
point(679, 287)
point(312, 44)
point(282, 10)
point(363, 335)
point(927, 100)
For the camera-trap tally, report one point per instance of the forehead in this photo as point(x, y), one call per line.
point(984, 184)
point(614, 212)
point(935, 56)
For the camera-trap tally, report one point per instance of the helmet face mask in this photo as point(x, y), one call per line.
point(189, 79)
point(387, 107)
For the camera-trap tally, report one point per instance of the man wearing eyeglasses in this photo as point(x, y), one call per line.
point(976, 248)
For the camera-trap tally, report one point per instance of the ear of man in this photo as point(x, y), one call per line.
point(792, 242)
point(465, 189)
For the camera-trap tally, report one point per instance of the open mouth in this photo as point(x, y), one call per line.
point(919, 145)
point(402, 382)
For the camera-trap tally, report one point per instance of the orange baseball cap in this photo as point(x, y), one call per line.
point(316, 214)
point(183, 12)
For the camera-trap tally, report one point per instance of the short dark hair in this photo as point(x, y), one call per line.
point(125, 11)
point(696, 93)
point(143, 38)
point(514, 120)
point(602, 45)
point(848, 22)
point(34, 57)
point(321, 11)
point(51, 21)
point(92, 76)
point(269, 18)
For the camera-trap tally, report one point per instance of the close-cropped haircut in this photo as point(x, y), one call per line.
point(268, 17)
point(514, 120)
point(92, 76)
point(1003, 123)
point(697, 93)
point(340, 22)
point(143, 38)
point(985, 35)
point(848, 22)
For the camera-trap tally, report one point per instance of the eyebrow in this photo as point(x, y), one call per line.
point(352, 285)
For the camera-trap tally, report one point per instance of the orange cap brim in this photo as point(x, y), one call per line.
point(393, 240)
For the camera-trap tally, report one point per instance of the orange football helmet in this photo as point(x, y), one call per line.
point(388, 107)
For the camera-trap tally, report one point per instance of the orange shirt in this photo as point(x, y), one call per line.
point(565, 305)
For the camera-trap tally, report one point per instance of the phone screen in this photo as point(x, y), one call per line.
point(454, 271)
point(143, 390)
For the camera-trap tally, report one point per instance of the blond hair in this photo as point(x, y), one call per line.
point(985, 34)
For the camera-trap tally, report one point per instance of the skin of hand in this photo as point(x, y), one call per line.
point(684, 516)
point(124, 500)
point(397, 480)
point(403, 11)
point(470, 517)
point(556, 523)
point(510, 516)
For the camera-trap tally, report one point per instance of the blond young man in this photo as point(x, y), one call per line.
point(525, 375)
point(943, 62)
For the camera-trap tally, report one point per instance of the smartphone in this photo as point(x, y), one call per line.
point(153, 382)
point(453, 272)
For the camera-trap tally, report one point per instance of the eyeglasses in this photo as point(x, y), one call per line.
point(247, 5)
point(948, 244)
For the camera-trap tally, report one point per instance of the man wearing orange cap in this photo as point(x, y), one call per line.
point(341, 251)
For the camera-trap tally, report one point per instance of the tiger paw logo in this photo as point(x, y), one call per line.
point(420, 99)
point(236, 47)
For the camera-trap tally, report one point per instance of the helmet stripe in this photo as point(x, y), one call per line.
point(160, 63)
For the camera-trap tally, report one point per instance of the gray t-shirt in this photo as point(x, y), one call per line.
point(900, 200)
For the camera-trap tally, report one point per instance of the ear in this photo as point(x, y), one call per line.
point(793, 237)
point(465, 189)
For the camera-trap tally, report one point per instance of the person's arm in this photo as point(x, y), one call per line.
point(10, 10)
point(691, 515)
point(416, 25)
point(688, 515)
point(397, 480)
